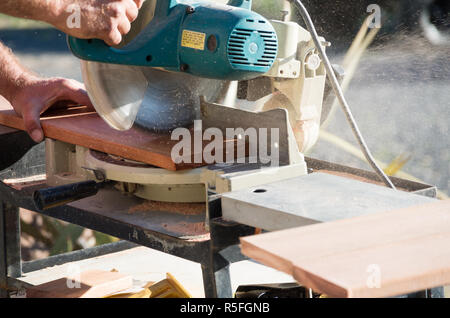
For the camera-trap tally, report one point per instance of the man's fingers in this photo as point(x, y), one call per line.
point(132, 10)
point(124, 27)
point(68, 92)
point(114, 37)
point(75, 92)
point(32, 123)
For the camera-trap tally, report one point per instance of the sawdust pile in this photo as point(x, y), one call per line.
point(187, 229)
point(179, 208)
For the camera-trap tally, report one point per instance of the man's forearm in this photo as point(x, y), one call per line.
point(13, 76)
point(42, 10)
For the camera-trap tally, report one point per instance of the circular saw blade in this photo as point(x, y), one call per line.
point(172, 99)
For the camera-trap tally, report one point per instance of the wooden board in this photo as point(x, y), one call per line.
point(89, 284)
point(377, 255)
point(7, 130)
point(87, 129)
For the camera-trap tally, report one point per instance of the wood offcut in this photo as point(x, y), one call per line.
point(378, 255)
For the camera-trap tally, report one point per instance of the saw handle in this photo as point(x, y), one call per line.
point(56, 196)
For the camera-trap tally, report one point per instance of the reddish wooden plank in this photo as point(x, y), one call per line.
point(87, 129)
point(378, 255)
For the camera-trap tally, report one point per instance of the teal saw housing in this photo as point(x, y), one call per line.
point(202, 38)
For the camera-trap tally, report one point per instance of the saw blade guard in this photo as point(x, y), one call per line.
point(116, 91)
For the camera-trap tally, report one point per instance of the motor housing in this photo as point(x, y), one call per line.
point(206, 39)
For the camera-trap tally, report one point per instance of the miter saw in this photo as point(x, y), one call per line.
point(183, 60)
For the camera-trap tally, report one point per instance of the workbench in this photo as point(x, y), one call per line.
point(106, 212)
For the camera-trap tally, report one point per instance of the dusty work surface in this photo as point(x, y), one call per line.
point(87, 129)
point(313, 198)
point(379, 255)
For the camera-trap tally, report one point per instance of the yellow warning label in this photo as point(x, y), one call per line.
point(194, 40)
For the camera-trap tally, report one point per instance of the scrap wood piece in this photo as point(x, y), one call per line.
point(378, 255)
point(89, 284)
point(168, 288)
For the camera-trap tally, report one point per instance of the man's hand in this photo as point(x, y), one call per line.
point(107, 20)
point(31, 95)
point(36, 95)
